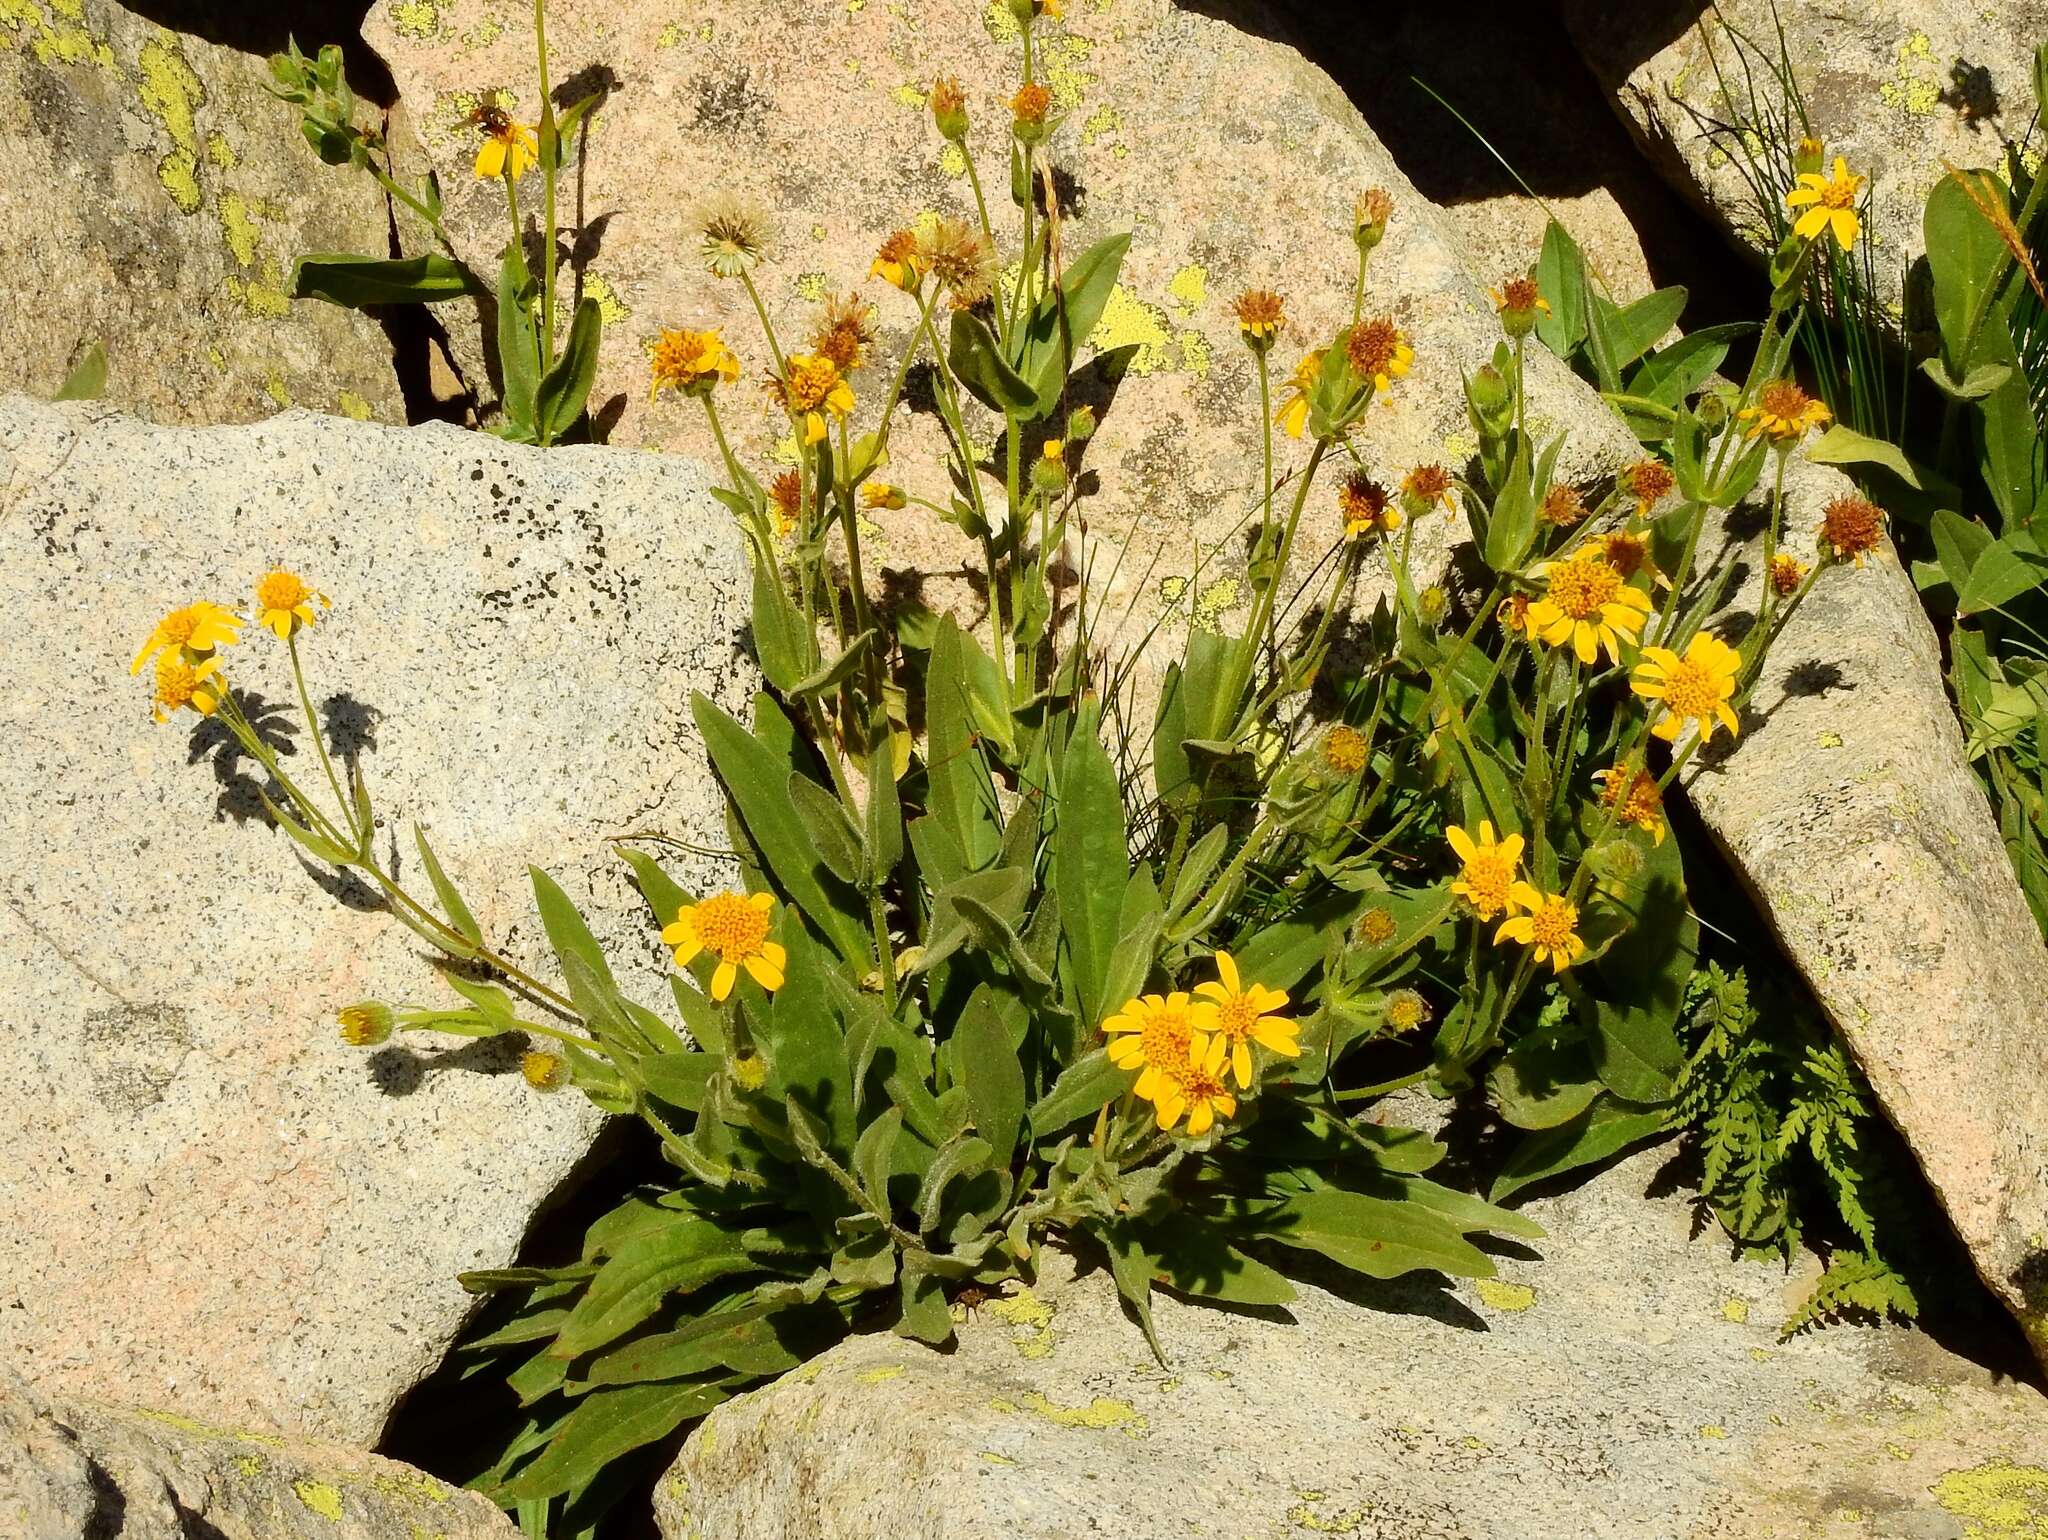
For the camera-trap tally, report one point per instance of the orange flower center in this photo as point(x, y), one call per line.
point(811, 380)
point(1625, 553)
point(1553, 921)
point(1580, 588)
point(1488, 876)
point(1691, 690)
point(176, 681)
point(1637, 794)
point(1236, 1016)
point(1839, 194)
point(1166, 1039)
point(1198, 1085)
point(281, 591)
point(1374, 347)
point(178, 627)
point(731, 926)
point(1784, 400)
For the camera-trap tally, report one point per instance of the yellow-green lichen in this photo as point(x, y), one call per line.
point(1915, 86)
point(1499, 1294)
point(172, 94)
point(999, 23)
point(1302, 1516)
point(1103, 120)
point(353, 405)
point(994, 1458)
point(810, 286)
point(1712, 1430)
point(1736, 1310)
point(1195, 353)
point(416, 19)
point(1128, 322)
point(881, 1372)
point(908, 95)
point(239, 227)
point(610, 308)
point(483, 34)
point(670, 35)
point(1828, 738)
point(319, 1497)
point(274, 387)
point(1101, 1414)
point(1214, 601)
point(1188, 288)
point(953, 160)
point(62, 41)
point(1997, 1500)
point(249, 1465)
point(264, 299)
point(1063, 72)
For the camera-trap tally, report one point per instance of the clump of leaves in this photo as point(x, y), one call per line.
point(1781, 1120)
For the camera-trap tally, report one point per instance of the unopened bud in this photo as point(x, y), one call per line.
point(1081, 424)
point(365, 1024)
point(544, 1071)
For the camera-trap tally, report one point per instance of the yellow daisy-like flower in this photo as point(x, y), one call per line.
point(1513, 616)
point(692, 363)
point(1829, 204)
point(1587, 605)
point(198, 627)
point(1488, 880)
point(284, 603)
point(1628, 553)
point(1196, 1090)
point(1379, 353)
point(1784, 413)
point(1426, 487)
point(812, 387)
point(734, 927)
point(1260, 315)
point(181, 682)
point(1406, 1010)
point(544, 1071)
point(1237, 1014)
point(1293, 413)
point(1549, 923)
point(1155, 1035)
point(1635, 796)
point(1694, 688)
point(509, 148)
point(880, 494)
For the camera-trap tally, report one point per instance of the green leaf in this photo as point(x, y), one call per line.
point(832, 675)
point(322, 849)
point(1670, 375)
point(1281, 956)
point(1981, 381)
point(993, 1074)
point(838, 842)
point(1630, 331)
point(1543, 1081)
point(87, 380)
point(1084, 1087)
point(961, 796)
point(1561, 280)
point(1602, 1130)
point(925, 1316)
point(964, 1156)
point(2000, 574)
point(756, 778)
point(584, 969)
point(518, 341)
point(1958, 542)
point(672, 1259)
point(884, 809)
point(1966, 260)
point(1194, 1257)
point(1511, 526)
point(606, 1424)
point(564, 389)
point(1047, 344)
point(977, 361)
point(1641, 983)
point(746, 1339)
point(677, 1078)
point(451, 900)
point(1380, 1237)
point(1842, 445)
point(1090, 865)
point(1132, 1267)
point(354, 282)
point(779, 640)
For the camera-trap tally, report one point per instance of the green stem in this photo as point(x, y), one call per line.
point(551, 154)
point(320, 739)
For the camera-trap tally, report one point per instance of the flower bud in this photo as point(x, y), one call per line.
point(1080, 424)
point(544, 1071)
point(366, 1024)
point(1808, 157)
point(1369, 218)
point(949, 108)
point(749, 1070)
point(1491, 398)
point(1433, 604)
point(1049, 470)
point(1028, 109)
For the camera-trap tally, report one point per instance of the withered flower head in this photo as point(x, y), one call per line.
point(1425, 487)
point(1260, 314)
point(1369, 216)
point(960, 257)
point(1378, 352)
point(949, 108)
point(1562, 505)
point(1787, 573)
point(1366, 507)
point(1649, 482)
point(786, 498)
point(845, 332)
point(1851, 527)
point(733, 233)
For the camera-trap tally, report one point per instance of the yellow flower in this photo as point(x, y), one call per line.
point(898, 262)
point(1851, 527)
point(811, 388)
point(733, 926)
point(1425, 487)
point(1237, 1014)
point(1787, 573)
point(786, 498)
point(1830, 204)
point(690, 362)
point(1586, 604)
point(1406, 1010)
point(198, 627)
point(1155, 1035)
point(1488, 881)
point(509, 148)
point(880, 494)
point(1694, 688)
point(1293, 414)
point(1634, 795)
point(1197, 1090)
point(1550, 925)
point(1513, 615)
point(284, 603)
point(1378, 353)
point(1784, 413)
point(180, 682)
point(1367, 507)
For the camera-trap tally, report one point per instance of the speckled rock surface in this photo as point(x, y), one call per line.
point(155, 200)
point(1895, 86)
point(1855, 820)
point(1234, 160)
point(1627, 1385)
point(212, 1202)
point(78, 1470)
